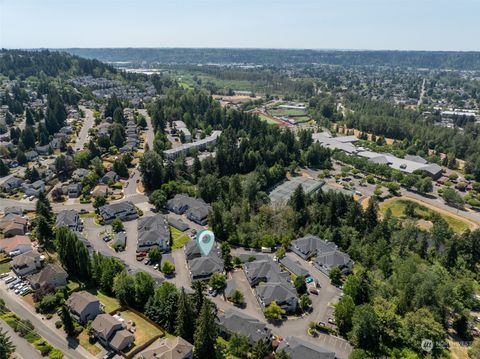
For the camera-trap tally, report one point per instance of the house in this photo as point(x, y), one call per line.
point(271, 284)
point(299, 348)
point(100, 190)
point(182, 127)
point(294, 267)
point(186, 148)
point(69, 218)
point(121, 339)
point(13, 225)
point(84, 306)
point(282, 293)
point(79, 174)
point(327, 260)
point(11, 184)
point(195, 209)
point(153, 231)
point(308, 246)
point(13, 210)
point(178, 224)
point(43, 150)
point(120, 240)
point(15, 245)
point(109, 177)
point(168, 348)
point(33, 189)
point(263, 270)
point(236, 322)
point(191, 250)
point(26, 263)
point(104, 326)
point(109, 331)
point(51, 274)
point(31, 155)
point(74, 190)
point(202, 268)
point(125, 211)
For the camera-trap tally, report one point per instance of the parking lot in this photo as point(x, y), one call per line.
point(15, 284)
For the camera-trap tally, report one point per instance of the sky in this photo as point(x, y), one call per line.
point(314, 24)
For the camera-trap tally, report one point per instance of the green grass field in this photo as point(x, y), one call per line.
point(110, 303)
point(4, 267)
point(144, 330)
point(397, 207)
point(286, 112)
point(179, 238)
point(268, 120)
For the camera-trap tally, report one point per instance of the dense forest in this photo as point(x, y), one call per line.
point(21, 64)
point(418, 59)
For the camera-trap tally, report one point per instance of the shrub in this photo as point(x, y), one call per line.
point(55, 354)
point(43, 347)
point(58, 324)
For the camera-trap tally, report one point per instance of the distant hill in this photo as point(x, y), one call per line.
point(415, 59)
point(26, 63)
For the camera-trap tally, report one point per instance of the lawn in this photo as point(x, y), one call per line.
point(5, 267)
point(287, 112)
point(91, 214)
point(111, 304)
point(144, 330)
point(268, 119)
point(397, 206)
point(85, 343)
point(72, 285)
point(179, 238)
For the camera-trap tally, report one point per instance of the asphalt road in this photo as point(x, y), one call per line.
point(88, 123)
point(23, 349)
point(150, 131)
point(69, 347)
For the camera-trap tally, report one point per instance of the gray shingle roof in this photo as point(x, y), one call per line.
point(298, 348)
point(237, 322)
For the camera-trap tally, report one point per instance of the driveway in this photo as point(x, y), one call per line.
point(252, 308)
point(182, 274)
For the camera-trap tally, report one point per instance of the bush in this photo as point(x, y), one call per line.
point(43, 347)
point(55, 354)
point(58, 324)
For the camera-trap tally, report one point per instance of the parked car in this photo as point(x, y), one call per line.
point(4, 275)
point(14, 283)
point(156, 266)
point(309, 280)
point(313, 290)
point(25, 291)
point(109, 355)
point(331, 321)
point(9, 279)
point(106, 238)
point(317, 284)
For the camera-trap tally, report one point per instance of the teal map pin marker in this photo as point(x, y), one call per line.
point(205, 241)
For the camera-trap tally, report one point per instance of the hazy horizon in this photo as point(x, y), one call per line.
point(370, 25)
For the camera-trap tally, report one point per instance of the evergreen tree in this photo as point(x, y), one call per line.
point(185, 323)
point(68, 324)
point(261, 349)
point(4, 170)
point(198, 296)
point(206, 331)
point(6, 346)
